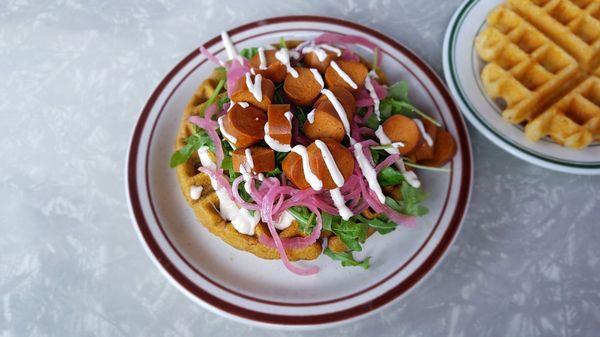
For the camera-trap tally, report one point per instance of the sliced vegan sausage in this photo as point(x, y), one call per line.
point(292, 168)
point(302, 90)
point(280, 127)
point(262, 159)
point(400, 128)
point(443, 150)
point(425, 151)
point(355, 70)
point(245, 124)
point(311, 60)
point(275, 70)
point(341, 155)
point(327, 123)
point(244, 95)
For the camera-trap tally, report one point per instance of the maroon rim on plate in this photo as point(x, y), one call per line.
point(345, 314)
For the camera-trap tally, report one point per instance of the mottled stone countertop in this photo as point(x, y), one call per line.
point(74, 77)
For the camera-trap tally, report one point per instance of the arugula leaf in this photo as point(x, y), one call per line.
point(351, 233)
point(212, 98)
point(381, 223)
point(304, 217)
point(222, 100)
point(328, 220)
point(399, 91)
point(192, 144)
point(227, 163)
point(361, 111)
point(411, 201)
point(389, 176)
point(278, 97)
point(221, 71)
point(347, 259)
point(282, 43)
point(301, 115)
point(372, 122)
point(249, 52)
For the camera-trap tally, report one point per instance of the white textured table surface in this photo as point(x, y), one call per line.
point(73, 78)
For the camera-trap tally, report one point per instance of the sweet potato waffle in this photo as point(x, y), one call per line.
point(543, 58)
point(206, 208)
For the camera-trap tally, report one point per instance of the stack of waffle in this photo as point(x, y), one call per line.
point(543, 65)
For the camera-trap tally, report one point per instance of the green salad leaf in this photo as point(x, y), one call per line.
point(192, 144)
point(411, 201)
point(282, 43)
point(248, 53)
point(380, 223)
point(397, 102)
point(347, 259)
point(389, 176)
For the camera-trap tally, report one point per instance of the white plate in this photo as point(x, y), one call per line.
point(248, 289)
point(462, 67)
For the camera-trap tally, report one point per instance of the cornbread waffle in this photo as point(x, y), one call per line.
point(206, 208)
point(543, 63)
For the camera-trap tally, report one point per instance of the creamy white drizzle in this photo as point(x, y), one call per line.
point(226, 134)
point(421, 127)
point(343, 75)
point(288, 116)
point(318, 77)
point(373, 94)
point(338, 179)
point(243, 104)
point(245, 171)
point(319, 50)
point(334, 170)
point(314, 181)
point(195, 192)
point(285, 220)
point(339, 109)
point(256, 87)
point(262, 58)
point(373, 74)
point(240, 218)
point(249, 160)
point(411, 177)
point(340, 203)
point(283, 55)
point(229, 47)
point(369, 172)
point(274, 143)
point(311, 116)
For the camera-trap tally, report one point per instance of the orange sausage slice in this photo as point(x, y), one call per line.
point(244, 95)
point(327, 123)
point(342, 157)
point(275, 69)
point(443, 150)
point(354, 69)
point(400, 128)
point(280, 127)
point(245, 124)
point(302, 90)
point(312, 61)
point(292, 168)
point(424, 151)
point(263, 159)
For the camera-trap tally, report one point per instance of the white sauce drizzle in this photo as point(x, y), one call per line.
point(311, 116)
point(249, 160)
point(373, 74)
point(285, 220)
point(334, 171)
point(262, 58)
point(226, 134)
point(247, 177)
point(337, 51)
point(318, 77)
point(256, 87)
point(288, 116)
point(421, 127)
point(339, 109)
point(243, 104)
point(240, 218)
point(369, 172)
point(338, 179)
point(195, 192)
point(410, 176)
point(343, 75)
point(340, 203)
point(274, 143)
point(314, 182)
point(373, 94)
point(283, 55)
point(229, 47)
